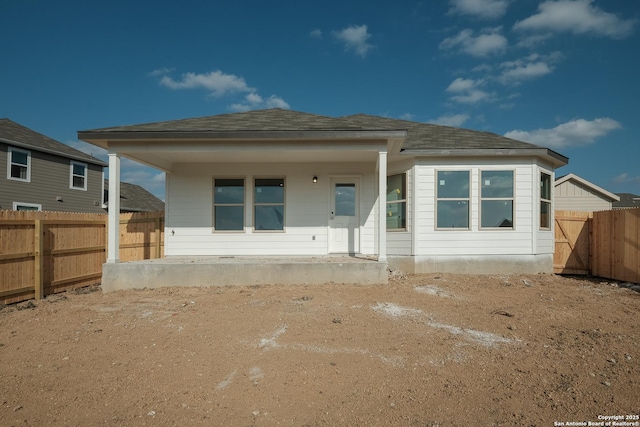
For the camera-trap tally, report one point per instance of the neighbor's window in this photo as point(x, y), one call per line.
point(496, 199)
point(78, 178)
point(18, 206)
point(268, 203)
point(228, 204)
point(545, 200)
point(397, 202)
point(19, 167)
point(452, 199)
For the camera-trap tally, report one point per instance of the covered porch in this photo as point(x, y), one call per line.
point(297, 202)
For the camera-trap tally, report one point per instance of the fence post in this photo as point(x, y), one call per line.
point(38, 260)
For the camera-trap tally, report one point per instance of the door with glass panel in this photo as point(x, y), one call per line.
point(344, 218)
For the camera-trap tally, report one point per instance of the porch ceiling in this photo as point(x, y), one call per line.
point(164, 155)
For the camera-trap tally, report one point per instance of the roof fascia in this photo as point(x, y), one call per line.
point(90, 136)
point(555, 158)
point(57, 153)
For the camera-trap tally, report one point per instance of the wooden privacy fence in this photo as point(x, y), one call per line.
point(616, 244)
point(46, 252)
point(604, 244)
point(572, 242)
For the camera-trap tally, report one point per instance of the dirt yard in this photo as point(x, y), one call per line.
point(425, 350)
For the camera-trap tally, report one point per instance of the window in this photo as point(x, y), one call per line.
point(397, 202)
point(18, 206)
point(545, 200)
point(496, 199)
point(19, 167)
point(78, 178)
point(228, 204)
point(452, 199)
point(268, 204)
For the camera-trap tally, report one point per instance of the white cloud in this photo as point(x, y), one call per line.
point(467, 92)
point(316, 34)
point(253, 101)
point(454, 120)
point(217, 82)
point(533, 40)
point(527, 68)
point(578, 17)
point(574, 133)
point(461, 85)
point(221, 84)
point(355, 39)
point(488, 42)
point(160, 72)
point(473, 97)
point(626, 178)
point(487, 9)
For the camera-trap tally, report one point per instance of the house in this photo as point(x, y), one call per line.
point(283, 184)
point(134, 198)
point(573, 193)
point(627, 200)
point(44, 174)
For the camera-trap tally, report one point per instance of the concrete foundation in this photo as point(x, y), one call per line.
point(234, 271)
point(494, 264)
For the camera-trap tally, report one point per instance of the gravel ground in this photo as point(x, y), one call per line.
point(425, 350)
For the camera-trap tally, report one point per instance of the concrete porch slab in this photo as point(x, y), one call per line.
point(237, 271)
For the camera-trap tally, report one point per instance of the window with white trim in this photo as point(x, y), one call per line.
point(496, 199)
point(397, 202)
point(228, 204)
point(452, 199)
point(19, 206)
point(78, 176)
point(545, 201)
point(19, 165)
point(268, 204)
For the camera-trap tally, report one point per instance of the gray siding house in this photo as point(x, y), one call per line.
point(40, 173)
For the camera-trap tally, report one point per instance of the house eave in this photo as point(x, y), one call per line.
point(102, 137)
point(556, 159)
point(54, 152)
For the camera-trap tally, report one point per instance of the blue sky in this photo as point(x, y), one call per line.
point(559, 73)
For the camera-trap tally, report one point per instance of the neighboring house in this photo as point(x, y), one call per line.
point(420, 197)
point(577, 194)
point(627, 200)
point(134, 198)
point(41, 173)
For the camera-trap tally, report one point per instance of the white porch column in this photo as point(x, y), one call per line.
point(382, 206)
point(113, 223)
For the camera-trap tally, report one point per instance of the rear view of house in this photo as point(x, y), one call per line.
point(415, 196)
point(40, 173)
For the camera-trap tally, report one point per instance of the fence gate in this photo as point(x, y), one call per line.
point(572, 243)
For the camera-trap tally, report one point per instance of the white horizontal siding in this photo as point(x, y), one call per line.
point(189, 223)
point(477, 241)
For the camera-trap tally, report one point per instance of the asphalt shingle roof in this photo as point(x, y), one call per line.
point(420, 136)
point(430, 136)
point(11, 131)
point(627, 200)
point(135, 198)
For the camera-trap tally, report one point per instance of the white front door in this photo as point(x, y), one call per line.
point(344, 218)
